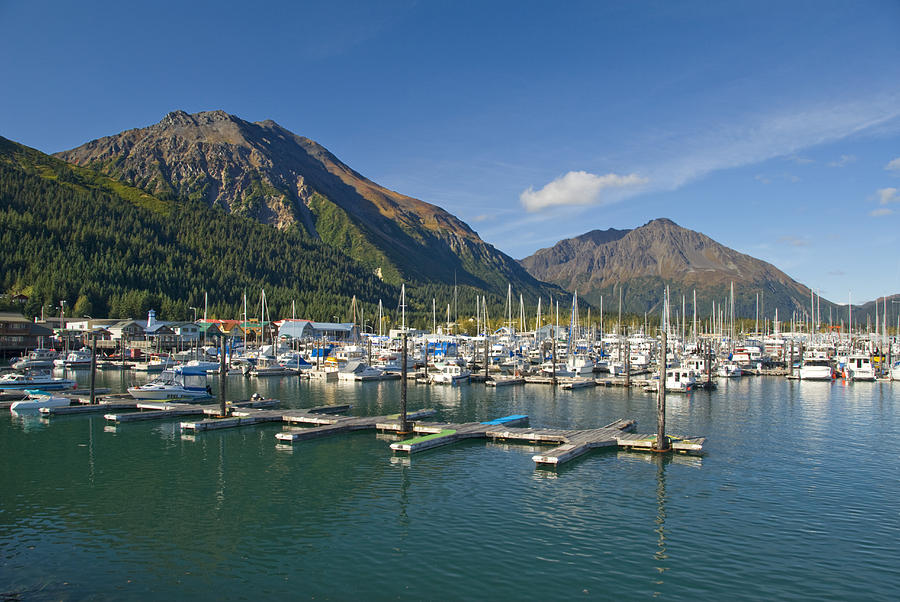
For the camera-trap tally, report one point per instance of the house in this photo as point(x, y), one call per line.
point(187, 332)
point(209, 331)
point(307, 329)
point(132, 330)
point(18, 333)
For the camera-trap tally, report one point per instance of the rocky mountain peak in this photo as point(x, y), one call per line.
point(658, 254)
point(263, 171)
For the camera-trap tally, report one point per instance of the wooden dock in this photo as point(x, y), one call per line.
point(159, 410)
point(333, 425)
point(571, 443)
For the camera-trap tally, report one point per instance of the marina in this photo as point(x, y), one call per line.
point(332, 492)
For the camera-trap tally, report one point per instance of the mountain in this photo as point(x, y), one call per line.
point(263, 171)
point(70, 233)
point(642, 262)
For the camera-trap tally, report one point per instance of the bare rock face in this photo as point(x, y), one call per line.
point(645, 260)
point(263, 171)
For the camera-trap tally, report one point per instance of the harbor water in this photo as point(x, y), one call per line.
point(796, 498)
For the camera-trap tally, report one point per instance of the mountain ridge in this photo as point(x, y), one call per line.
point(643, 261)
point(264, 171)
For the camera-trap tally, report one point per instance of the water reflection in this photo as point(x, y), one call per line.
point(660, 555)
point(28, 421)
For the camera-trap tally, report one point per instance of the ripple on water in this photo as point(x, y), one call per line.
point(795, 499)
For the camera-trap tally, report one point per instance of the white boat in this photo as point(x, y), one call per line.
point(816, 369)
point(580, 365)
point(35, 379)
point(859, 367)
point(293, 361)
point(449, 374)
point(729, 370)
point(208, 365)
point(547, 369)
point(157, 363)
point(358, 370)
point(38, 400)
point(268, 366)
point(895, 371)
point(680, 379)
point(36, 358)
point(180, 382)
point(75, 359)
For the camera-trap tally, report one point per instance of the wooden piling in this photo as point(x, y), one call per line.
point(662, 442)
point(404, 424)
point(627, 359)
point(222, 375)
point(93, 366)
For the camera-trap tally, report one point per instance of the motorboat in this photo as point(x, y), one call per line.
point(580, 365)
point(36, 358)
point(859, 367)
point(895, 371)
point(357, 370)
point(157, 363)
point(38, 399)
point(293, 361)
point(35, 379)
point(181, 382)
point(680, 379)
point(559, 370)
point(75, 359)
point(729, 370)
point(267, 365)
point(816, 368)
point(208, 365)
point(449, 374)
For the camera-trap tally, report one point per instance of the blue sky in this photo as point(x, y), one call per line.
point(773, 127)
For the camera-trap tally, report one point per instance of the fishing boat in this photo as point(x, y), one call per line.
point(358, 370)
point(181, 382)
point(157, 363)
point(75, 359)
point(580, 364)
point(729, 370)
point(36, 358)
point(38, 399)
point(816, 368)
point(859, 367)
point(449, 374)
point(561, 371)
point(680, 379)
point(35, 379)
point(293, 361)
point(268, 366)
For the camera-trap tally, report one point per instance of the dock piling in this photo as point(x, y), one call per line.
point(93, 366)
point(222, 375)
point(662, 442)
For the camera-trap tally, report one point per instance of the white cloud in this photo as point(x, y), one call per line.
point(843, 161)
point(766, 136)
point(580, 188)
point(880, 212)
point(893, 165)
point(888, 195)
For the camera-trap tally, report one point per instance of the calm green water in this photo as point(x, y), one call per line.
point(798, 497)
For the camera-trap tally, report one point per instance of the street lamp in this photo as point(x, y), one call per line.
point(195, 312)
